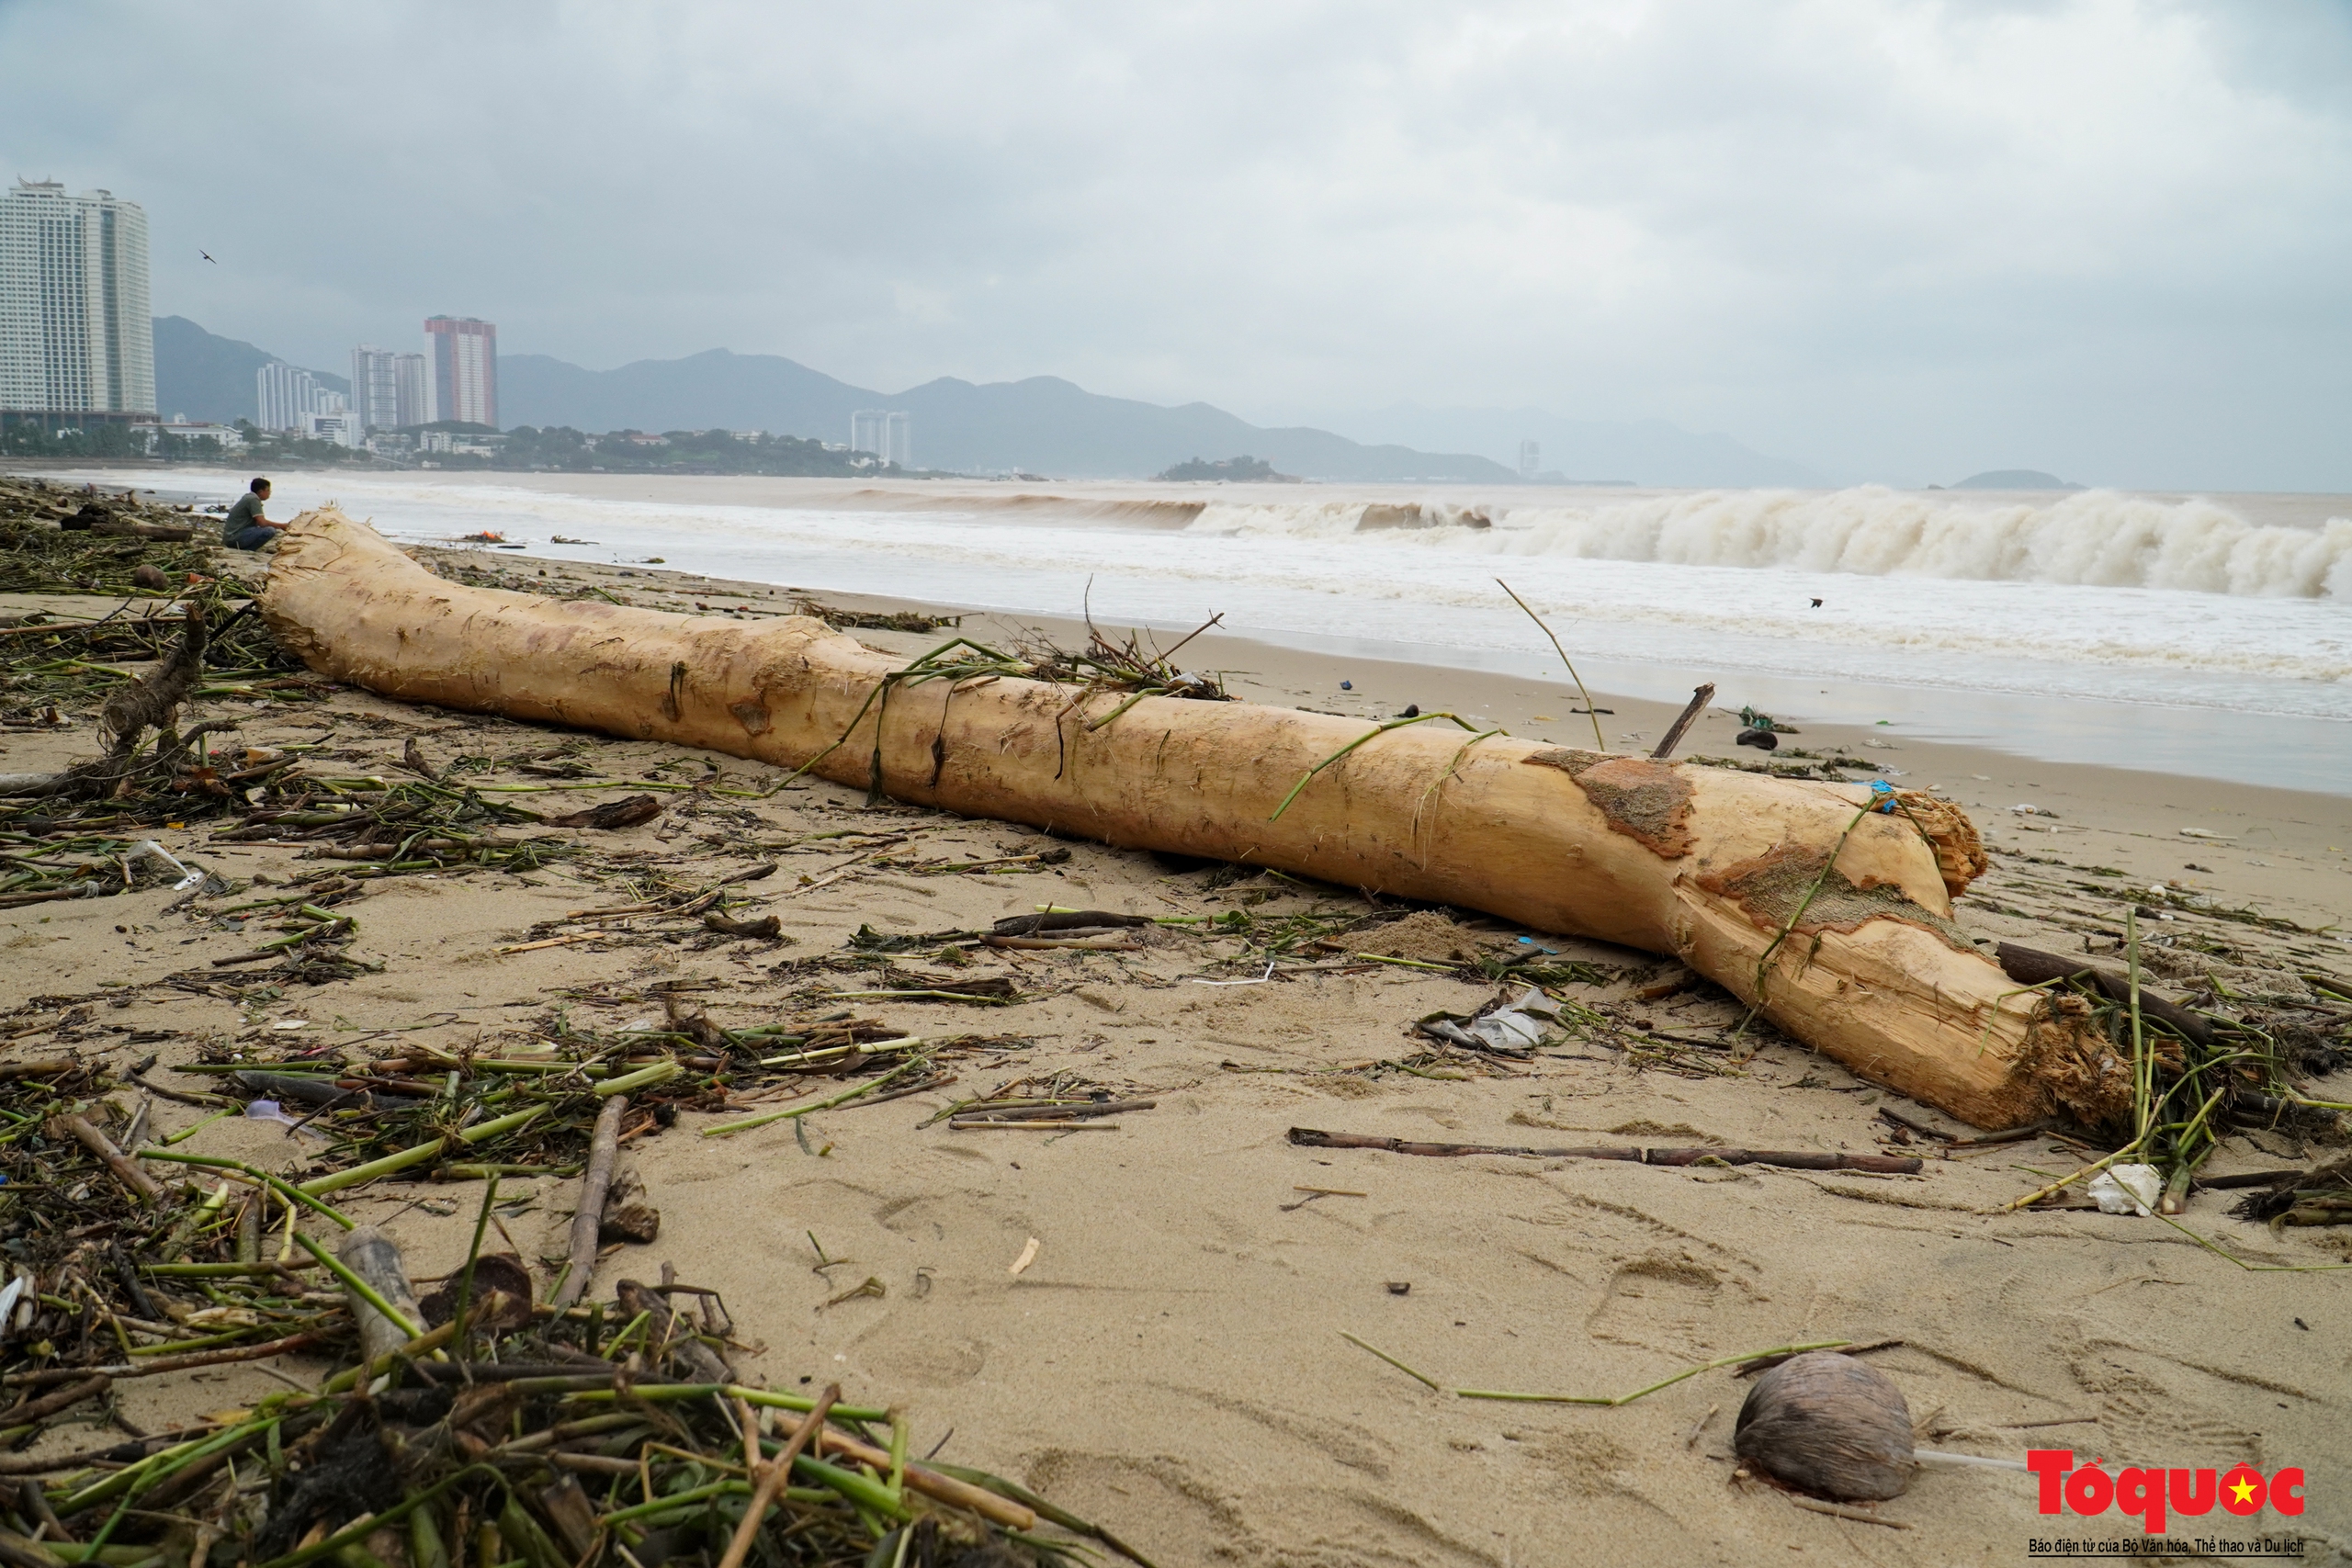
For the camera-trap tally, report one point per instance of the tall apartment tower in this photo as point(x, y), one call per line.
point(389, 392)
point(1530, 458)
point(284, 395)
point(75, 337)
point(465, 370)
point(889, 434)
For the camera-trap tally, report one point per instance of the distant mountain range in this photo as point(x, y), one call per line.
point(1043, 425)
point(211, 379)
point(1645, 451)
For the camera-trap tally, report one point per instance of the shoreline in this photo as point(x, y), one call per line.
point(2245, 691)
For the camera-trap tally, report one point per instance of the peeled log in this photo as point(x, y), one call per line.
point(1707, 865)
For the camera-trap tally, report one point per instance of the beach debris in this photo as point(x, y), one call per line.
point(1552, 838)
point(1314, 1193)
point(1762, 739)
point(1793, 1159)
point(1513, 1029)
point(1028, 1256)
point(765, 927)
point(2127, 1190)
point(634, 811)
point(627, 1216)
point(2032, 966)
point(1828, 1425)
point(2319, 1194)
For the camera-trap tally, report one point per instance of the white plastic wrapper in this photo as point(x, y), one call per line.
point(2127, 1189)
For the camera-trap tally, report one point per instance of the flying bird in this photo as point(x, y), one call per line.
point(1816, 603)
point(207, 256)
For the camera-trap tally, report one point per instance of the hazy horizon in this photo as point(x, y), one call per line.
point(1890, 242)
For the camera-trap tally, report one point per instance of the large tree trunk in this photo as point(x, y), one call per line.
point(1730, 872)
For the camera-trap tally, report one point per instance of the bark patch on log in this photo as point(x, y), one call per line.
point(1647, 801)
point(1771, 890)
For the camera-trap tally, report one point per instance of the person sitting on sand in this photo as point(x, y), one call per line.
point(245, 528)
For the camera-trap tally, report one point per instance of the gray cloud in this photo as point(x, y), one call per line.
point(1898, 241)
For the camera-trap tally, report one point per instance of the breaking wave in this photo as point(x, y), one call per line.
point(2093, 538)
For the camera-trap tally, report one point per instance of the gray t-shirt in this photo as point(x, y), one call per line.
point(244, 515)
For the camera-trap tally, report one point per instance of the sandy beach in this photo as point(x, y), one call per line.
point(1171, 1362)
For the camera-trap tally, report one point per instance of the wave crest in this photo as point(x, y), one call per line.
point(2095, 539)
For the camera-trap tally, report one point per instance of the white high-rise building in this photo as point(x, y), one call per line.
point(416, 404)
point(285, 394)
point(76, 335)
point(888, 434)
point(1530, 458)
point(291, 400)
point(389, 391)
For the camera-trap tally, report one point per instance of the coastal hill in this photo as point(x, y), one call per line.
point(2014, 479)
point(209, 378)
point(1043, 425)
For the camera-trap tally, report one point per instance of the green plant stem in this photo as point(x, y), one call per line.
point(360, 1174)
point(1421, 1378)
point(286, 1190)
point(868, 1087)
point(644, 1077)
point(1597, 743)
point(759, 1397)
point(466, 1280)
point(1374, 734)
point(1614, 1401)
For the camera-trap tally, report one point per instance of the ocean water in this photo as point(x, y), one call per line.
point(2211, 637)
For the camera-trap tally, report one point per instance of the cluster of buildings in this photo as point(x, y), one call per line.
point(391, 392)
point(888, 434)
point(77, 343)
point(77, 348)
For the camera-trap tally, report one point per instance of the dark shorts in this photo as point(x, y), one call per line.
point(254, 538)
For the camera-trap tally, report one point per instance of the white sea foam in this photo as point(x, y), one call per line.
point(2040, 626)
point(2093, 538)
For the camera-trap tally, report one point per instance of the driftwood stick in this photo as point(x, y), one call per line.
point(2032, 966)
point(1699, 697)
point(980, 1112)
point(159, 1364)
point(595, 1182)
point(28, 1411)
point(142, 1186)
point(1792, 1159)
point(774, 1471)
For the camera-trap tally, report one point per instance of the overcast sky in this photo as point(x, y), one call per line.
point(1899, 241)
